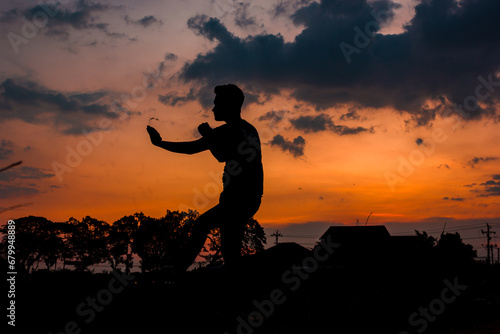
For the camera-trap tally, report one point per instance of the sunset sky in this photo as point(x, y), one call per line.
point(362, 106)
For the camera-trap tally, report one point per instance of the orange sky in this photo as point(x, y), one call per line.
point(338, 179)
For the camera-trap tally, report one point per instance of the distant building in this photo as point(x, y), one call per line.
point(280, 256)
point(349, 235)
point(368, 244)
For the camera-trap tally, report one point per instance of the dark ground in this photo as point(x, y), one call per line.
point(355, 299)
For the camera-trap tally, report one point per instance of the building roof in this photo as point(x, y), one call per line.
point(357, 234)
point(281, 255)
point(287, 249)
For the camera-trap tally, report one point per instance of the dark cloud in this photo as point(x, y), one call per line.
point(146, 21)
point(10, 15)
point(295, 147)
point(6, 149)
point(173, 98)
point(60, 20)
point(352, 114)
point(491, 187)
point(438, 57)
point(473, 162)
point(458, 199)
point(274, 116)
point(419, 141)
point(444, 166)
point(242, 18)
point(155, 76)
point(210, 28)
point(170, 56)
point(68, 112)
point(308, 124)
point(324, 122)
point(25, 172)
point(287, 7)
point(14, 191)
point(87, 98)
point(488, 188)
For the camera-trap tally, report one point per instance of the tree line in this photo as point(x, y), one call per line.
point(90, 241)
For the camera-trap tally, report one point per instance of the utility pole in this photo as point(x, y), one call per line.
point(489, 248)
point(276, 234)
point(444, 227)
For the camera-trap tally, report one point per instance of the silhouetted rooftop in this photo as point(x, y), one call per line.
point(281, 255)
point(356, 234)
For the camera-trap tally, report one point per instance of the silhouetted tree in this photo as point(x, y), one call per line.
point(37, 239)
point(53, 246)
point(425, 241)
point(88, 241)
point(448, 251)
point(159, 241)
point(452, 249)
point(120, 240)
point(254, 239)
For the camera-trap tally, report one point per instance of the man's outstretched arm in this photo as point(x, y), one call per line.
point(188, 147)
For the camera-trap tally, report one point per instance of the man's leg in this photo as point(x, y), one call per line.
point(232, 231)
point(201, 228)
point(236, 216)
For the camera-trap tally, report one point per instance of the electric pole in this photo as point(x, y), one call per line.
point(276, 234)
point(489, 248)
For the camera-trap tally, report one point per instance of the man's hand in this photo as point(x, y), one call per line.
point(154, 135)
point(204, 129)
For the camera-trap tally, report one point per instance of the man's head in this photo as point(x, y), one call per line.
point(228, 101)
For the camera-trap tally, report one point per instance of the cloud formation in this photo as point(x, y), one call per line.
point(25, 172)
point(173, 98)
point(295, 147)
point(146, 21)
point(70, 113)
point(6, 149)
point(473, 162)
point(324, 122)
point(59, 20)
point(440, 57)
point(458, 199)
point(14, 191)
point(242, 17)
point(288, 7)
point(22, 173)
point(491, 187)
point(352, 115)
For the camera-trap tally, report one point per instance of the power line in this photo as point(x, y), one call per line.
point(456, 228)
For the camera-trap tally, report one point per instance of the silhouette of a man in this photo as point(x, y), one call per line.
point(237, 144)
